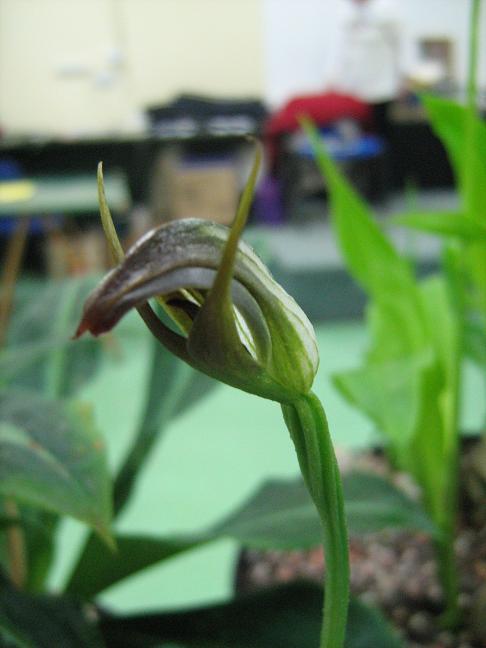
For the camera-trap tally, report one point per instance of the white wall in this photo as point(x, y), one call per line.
point(212, 46)
point(299, 41)
point(301, 36)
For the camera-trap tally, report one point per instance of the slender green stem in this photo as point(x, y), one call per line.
point(447, 515)
point(447, 565)
point(448, 573)
point(472, 88)
point(307, 424)
point(469, 178)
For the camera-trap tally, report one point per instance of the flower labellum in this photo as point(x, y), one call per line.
point(235, 322)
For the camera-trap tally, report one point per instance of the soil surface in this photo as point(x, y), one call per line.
point(396, 570)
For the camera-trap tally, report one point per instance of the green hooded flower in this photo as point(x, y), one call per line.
point(235, 322)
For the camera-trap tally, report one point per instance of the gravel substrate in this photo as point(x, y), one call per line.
point(396, 570)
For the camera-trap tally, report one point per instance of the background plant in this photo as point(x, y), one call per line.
point(463, 133)
point(44, 430)
point(420, 331)
point(409, 381)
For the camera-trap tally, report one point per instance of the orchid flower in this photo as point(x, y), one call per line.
point(235, 323)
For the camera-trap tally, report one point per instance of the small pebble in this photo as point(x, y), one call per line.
point(419, 624)
point(464, 600)
point(400, 615)
point(446, 639)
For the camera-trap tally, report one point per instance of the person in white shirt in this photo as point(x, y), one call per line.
point(368, 64)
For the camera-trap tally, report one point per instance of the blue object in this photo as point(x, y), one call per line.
point(268, 202)
point(360, 147)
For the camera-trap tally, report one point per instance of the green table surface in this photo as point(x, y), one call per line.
point(68, 194)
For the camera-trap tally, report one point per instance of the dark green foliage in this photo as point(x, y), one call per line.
point(52, 456)
point(286, 617)
point(28, 621)
point(40, 354)
point(280, 515)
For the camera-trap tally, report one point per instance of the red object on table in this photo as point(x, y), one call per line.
point(323, 109)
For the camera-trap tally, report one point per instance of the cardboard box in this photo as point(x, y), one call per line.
point(193, 188)
point(75, 254)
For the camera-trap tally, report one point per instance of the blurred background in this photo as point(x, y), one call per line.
point(164, 92)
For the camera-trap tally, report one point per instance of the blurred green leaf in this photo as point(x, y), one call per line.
point(389, 393)
point(286, 617)
point(475, 341)
point(464, 135)
point(279, 516)
point(40, 354)
point(100, 567)
point(365, 248)
point(16, 361)
point(367, 627)
point(433, 452)
point(448, 120)
point(413, 400)
point(374, 504)
point(39, 545)
point(51, 456)
point(443, 224)
point(372, 259)
point(28, 621)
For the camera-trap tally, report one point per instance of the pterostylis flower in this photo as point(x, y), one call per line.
point(238, 324)
point(233, 322)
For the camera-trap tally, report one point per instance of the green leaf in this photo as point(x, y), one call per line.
point(367, 627)
point(286, 617)
point(28, 621)
point(464, 136)
point(414, 400)
point(443, 224)
point(389, 393)
point(449, 120)
point(374, 504)
point(101, 567)
point(40, 354)
point(434, 451)
point(365, 248)
point(20, 362)
point(475, 341)
point(280, 515)
point(369, 255)
point(52, 457)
